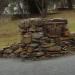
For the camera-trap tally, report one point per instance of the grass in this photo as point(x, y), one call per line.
point(69, 15)
point(9, 32)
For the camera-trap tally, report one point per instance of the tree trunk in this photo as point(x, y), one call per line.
point(69, 4)
point(3, 4)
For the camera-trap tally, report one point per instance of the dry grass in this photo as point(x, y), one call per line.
point(69, 15)
point(9, 32)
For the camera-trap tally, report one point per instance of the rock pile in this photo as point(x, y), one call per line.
point(19, 50)
point(41, 38)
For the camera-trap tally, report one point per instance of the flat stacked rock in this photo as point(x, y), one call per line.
point(41, 38)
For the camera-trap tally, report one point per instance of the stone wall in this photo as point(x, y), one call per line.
point(40, 36)
point(41, 39)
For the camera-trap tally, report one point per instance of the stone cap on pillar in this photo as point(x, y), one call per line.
point(41, 21)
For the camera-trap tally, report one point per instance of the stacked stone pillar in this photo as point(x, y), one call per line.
point(38, 36)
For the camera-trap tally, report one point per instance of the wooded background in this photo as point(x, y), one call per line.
point(33, 4)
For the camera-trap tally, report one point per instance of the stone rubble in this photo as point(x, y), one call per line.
point(37, 41)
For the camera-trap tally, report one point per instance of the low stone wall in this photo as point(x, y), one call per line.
point(41, 38)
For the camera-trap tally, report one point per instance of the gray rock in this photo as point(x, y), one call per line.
point(45, 45)
point(18, 51)
point(23, 54)
point(37, 35)
point(5, 55)
point(39, 29)
point(25, 24)
point(12, 55)
point(14, 46)
point(38, 54)
point(1, 50)
point(35, 40)
point(8, 51)
point(26, 40)
point(32, 29)
point(55, 48)
point(27, 35)
point(38, 49)
point(34, 45)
